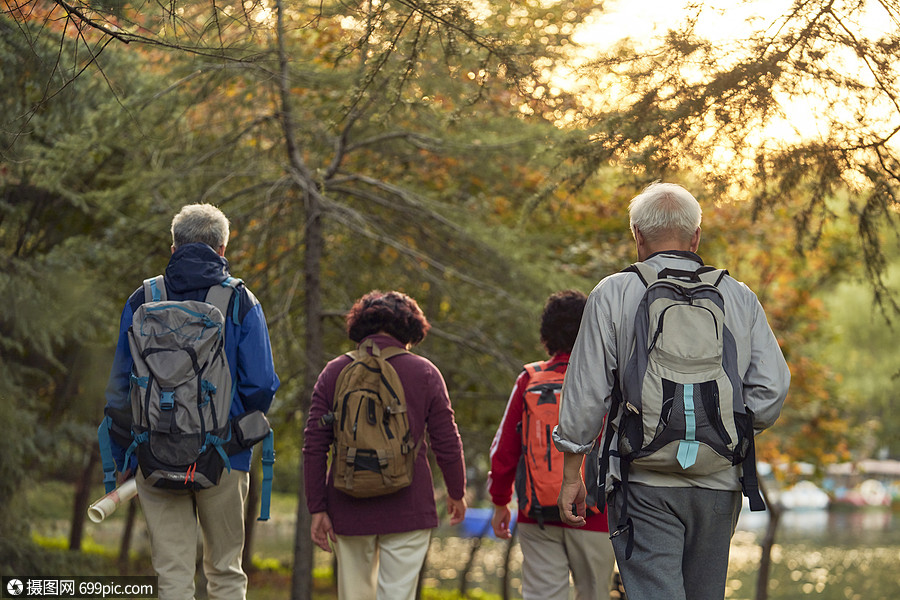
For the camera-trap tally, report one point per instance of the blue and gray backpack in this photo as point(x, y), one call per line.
point(179, 426)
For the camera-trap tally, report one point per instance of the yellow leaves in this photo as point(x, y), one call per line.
point(502, 206)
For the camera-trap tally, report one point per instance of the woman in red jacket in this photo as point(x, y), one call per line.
point(522, 453)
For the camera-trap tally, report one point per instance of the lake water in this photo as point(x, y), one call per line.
point(818, 554)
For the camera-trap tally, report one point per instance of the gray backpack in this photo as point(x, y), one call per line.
point(181, 387)
point(681, 395)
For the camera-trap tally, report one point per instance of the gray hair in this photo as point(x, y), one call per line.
point(202, 223)
point(663, 210)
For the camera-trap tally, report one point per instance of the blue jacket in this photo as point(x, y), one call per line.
point(192, 270)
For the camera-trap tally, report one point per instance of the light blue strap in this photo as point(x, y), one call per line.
point(224, 456)
point(217, 442)
point(205, 318)
point(167, 400)
point(138, 439)
point(106, 457)
point(208, 390)
point(688, 448)
point(140, 381)
point(154, 289)
point(268, 459)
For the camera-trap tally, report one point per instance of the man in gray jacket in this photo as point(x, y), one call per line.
point(682, 524)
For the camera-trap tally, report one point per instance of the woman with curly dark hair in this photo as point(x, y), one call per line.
point(550, 549)
point(380, 542)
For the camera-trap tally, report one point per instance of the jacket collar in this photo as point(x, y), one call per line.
point(687, 254)
point(383, 340)
point(195, 266)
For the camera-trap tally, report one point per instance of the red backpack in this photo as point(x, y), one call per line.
point(540, 471)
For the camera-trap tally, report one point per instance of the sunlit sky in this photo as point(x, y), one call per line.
point(642, 21)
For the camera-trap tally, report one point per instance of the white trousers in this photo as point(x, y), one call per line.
point(380, 567)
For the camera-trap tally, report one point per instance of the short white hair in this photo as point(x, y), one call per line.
point(665, 210)
point(203, 223)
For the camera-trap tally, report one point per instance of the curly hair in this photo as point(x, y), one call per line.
point(393, 313)
point(561, 319)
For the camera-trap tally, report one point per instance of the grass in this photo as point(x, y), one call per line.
point(49, 516)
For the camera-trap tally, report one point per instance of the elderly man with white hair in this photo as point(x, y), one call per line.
point(680, 523)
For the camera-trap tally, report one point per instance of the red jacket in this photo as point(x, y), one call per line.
point(507, 448)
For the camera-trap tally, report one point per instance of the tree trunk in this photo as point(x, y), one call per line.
point(776, 510)
point(303, 545)
point(305, 183)
point(301, 578)
point(251, 511)
point(476, 545)
point(83, 498)
point(509, 548)
point(127, 534)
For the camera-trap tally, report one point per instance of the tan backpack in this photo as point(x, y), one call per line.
point(374, 453)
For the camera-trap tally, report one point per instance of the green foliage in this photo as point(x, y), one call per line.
point(736, 111)
point(861, 350)
point(419, 136)
point(22, 556)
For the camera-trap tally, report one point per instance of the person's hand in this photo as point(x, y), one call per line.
point(500, 522)
point(572, 493)
point(321, 531)
point(456, 509)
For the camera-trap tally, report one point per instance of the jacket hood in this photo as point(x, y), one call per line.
point(195, 266)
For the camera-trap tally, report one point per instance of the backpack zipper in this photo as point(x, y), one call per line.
point(549, 448)
point(356, 421)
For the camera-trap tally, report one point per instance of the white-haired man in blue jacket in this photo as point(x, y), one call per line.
point(175, 518)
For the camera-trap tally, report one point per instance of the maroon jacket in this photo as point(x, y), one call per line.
point(411, 508)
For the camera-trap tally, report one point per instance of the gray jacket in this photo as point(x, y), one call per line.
point(604, 343)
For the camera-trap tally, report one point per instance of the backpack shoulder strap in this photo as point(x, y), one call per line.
point(711, 275)
point(377, 351)
point(647, 273)
point(392, 351)
point(220, 295)
point(155, 289)
point(535, 367)
point(544, 365)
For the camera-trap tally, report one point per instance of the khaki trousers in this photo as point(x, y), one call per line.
point(380, 567)
point(549, 554)
point(176, 518)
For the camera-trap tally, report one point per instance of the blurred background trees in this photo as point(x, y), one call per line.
point(476, 156)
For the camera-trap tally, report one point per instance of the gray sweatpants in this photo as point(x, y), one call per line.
point(682, 536)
